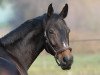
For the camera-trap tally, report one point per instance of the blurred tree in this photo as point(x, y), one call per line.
point(1, 1)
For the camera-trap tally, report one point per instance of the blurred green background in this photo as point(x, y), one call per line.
point(83, 20)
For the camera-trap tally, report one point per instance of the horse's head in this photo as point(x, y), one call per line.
point(56, 34)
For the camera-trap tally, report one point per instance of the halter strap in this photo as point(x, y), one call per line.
point(56, 52)
point(48, 42)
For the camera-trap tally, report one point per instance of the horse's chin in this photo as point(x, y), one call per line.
point(66, 68)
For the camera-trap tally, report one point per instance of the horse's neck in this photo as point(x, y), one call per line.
point(27, 49)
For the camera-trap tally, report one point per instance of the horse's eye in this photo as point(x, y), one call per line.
point(51, 31)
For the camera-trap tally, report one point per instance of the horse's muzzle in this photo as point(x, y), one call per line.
point(65, 59)
point(66, 63)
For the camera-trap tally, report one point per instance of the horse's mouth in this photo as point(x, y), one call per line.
point(66, 67)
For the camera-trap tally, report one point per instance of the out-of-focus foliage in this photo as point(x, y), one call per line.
point(1, 2)
point(6, 12)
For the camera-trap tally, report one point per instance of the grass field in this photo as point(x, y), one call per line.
point(87, 64)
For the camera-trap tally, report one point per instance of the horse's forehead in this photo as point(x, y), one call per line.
point(56, 21)
point(61, 24)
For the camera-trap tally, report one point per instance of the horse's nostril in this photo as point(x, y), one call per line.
point(68, 59)
point(65, 59)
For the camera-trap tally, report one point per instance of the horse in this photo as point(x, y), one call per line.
point(20, 47)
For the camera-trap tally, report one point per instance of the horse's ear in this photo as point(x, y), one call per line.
point(64, 11)
point(50, 10)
